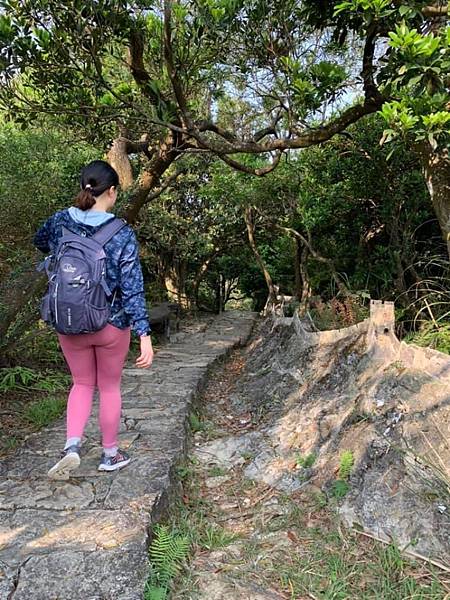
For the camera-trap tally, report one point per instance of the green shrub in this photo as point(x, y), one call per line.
point(24, 379)
point(429, 335)
point(339, 489)
point(306, 461)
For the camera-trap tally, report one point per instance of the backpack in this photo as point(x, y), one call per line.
point(77, 297)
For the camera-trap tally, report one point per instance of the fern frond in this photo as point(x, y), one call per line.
point(155, 593)
point(346, 464)
point(167, 553)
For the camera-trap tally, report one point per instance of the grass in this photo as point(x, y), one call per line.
point(202, 425)
point(293, 545)
point(328, 567)
point(434, 337)
point(300, 551)
point(192, 521)
point(217, 471)
point(44, 411)
point(9, 443)
point(32, 398)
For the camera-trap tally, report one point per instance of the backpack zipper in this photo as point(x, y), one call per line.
point(55, 301)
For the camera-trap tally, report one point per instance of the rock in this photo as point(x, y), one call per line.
point(215, 482)
point(233, 450)
point(354, 390)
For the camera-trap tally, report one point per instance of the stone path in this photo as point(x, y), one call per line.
point(87, 538)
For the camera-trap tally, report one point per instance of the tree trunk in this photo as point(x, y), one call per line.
point(175, 283)
point(217, 292)
point(248, 215)
point(306, 287)
point(297, 269)
point(118, 159)
point(436, 169)
point(200, 275)
point(150, 178)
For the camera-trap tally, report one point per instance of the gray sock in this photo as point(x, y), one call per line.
point(110, 451)
point(75, 441)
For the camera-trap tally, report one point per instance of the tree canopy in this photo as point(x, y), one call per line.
point(231, 77)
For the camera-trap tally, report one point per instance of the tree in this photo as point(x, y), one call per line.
point(187, 228)
point(229, 77)
point(412, 39)
point(156, 73)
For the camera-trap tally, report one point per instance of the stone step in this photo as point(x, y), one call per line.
point(87, 538)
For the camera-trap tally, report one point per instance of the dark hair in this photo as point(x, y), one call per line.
point(96, 177)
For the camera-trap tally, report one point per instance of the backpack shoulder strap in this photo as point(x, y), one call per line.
point(66, 231)
point(108, 230)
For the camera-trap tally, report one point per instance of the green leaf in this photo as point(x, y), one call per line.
point(415, 80)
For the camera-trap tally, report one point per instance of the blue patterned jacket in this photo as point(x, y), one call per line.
point(123, 268)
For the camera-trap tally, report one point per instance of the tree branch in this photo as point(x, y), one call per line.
point(162, 159)
point(252, 171)
point(312, 137)
point(371, 90)
point(137, 147)
point(270, 129)
point(205, 125)
point(340, 284)
point(137, 67)
point(136, 64)
point(169, 181)
point(434, 11)
point(250, 223)
point(170, 65)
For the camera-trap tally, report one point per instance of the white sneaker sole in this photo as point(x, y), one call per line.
point(119, 465)
point(63, 468)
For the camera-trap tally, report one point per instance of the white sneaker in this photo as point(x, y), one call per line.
point(70, 460)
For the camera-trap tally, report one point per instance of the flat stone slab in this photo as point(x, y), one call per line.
point(87, 538)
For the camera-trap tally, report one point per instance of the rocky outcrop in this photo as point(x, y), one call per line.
point(359, 390)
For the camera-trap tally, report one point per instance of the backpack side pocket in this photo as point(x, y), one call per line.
point(45, 311)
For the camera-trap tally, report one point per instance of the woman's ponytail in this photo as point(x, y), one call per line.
point(85, 199)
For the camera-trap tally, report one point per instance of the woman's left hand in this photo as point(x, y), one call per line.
point(146, 357)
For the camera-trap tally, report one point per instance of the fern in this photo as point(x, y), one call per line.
point(167, 554)
point(346, 465)
point(155, 593)
point(17, 378)
point(339, 489)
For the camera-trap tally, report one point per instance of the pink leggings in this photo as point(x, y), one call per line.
point(96, 360)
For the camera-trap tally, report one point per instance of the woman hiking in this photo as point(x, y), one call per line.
point(96, 356)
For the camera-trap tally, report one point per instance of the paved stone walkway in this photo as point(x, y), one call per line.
point(87, 538)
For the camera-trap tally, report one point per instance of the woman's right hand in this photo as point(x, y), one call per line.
point(146, 357)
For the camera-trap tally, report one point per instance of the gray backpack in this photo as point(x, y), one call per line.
point(77, 298)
